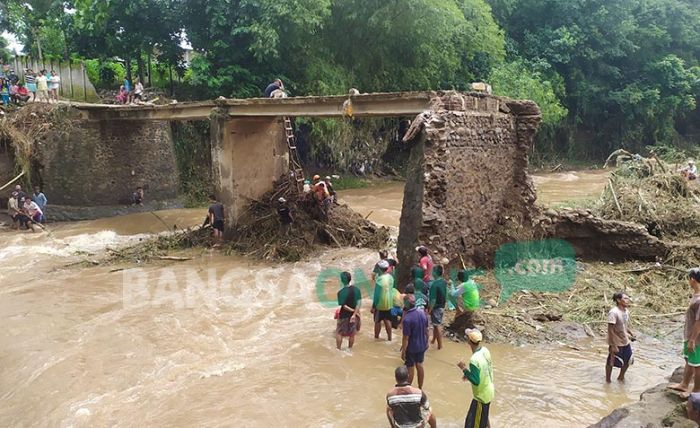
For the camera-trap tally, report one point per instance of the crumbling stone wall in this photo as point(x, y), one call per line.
point(88, 163)
point(600, 239)
point(467, 189)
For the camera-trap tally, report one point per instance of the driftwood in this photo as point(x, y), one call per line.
point(614, 195)
point(174, 258)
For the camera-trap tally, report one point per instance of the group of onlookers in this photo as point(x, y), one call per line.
point(130, 95)
point(418, 311)
point(27, 211)
point(42, 86)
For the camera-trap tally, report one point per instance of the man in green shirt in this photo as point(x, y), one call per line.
point(349, 298)
point(383, 300)
point(480, 375)
point(466, 294)
point(436, 307)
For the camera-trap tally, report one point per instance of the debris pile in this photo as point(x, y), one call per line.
point(666, 203)
point(259, 233)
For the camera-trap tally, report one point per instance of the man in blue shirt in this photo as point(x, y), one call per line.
point(40, 199)
point(415, 339)
point(272, 87)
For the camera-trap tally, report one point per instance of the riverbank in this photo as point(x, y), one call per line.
point(657, 407)
point(130, 342)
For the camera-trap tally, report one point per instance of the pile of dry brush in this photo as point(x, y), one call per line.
point(659, 198)
point(260, 235)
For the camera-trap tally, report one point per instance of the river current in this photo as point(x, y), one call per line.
point(251, 344)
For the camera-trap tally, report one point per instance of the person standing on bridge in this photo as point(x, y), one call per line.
point(272, 87)
point(42, 85)
point(30, 80)
point(55, 85)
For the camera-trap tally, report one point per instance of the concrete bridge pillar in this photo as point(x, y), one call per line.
point(248, 155)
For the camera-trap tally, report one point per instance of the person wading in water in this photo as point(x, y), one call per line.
point(383, 300)
point(349, 298)
point(406, 406)
point(480, 375)
point(619, 335)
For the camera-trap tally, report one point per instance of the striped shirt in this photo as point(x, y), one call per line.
point(407, 405)
point(30, 78)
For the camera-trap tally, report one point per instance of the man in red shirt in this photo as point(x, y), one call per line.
point(20, 94)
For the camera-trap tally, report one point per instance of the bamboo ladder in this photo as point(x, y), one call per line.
point(296, 171)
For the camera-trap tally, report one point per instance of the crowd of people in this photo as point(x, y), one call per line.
point(27, 211)
point(41, 86)
point(418, 313)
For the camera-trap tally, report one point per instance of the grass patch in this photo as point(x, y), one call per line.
point(351, 182)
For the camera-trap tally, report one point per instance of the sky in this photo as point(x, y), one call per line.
point(14, 45)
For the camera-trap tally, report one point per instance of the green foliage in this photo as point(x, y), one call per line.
point(5, 53)
point(629, 67)
point(522, 81)
point(193, 155)
point(104, 74)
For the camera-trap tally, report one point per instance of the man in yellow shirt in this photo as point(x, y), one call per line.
point(480, 375)
point(383, 300)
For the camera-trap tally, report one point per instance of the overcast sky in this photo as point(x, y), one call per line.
point(14, 45)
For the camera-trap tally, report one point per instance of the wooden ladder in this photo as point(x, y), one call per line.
point(296, 172)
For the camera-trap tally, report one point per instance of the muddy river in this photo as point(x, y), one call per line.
point(225, 341)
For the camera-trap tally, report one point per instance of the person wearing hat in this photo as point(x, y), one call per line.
point(415, 338)
point(285, 216)
point(480, 375)
point(691, 171)
point(383, 300)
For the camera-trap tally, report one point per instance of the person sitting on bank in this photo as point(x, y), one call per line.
point(21, 94)
point(272, 87)
point(690, 172)
point(138, 196)
point(407, 406)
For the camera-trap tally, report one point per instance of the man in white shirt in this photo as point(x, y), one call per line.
point(619, 337)
point(36, 216)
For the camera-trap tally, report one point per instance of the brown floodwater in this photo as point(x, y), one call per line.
point(226, 341)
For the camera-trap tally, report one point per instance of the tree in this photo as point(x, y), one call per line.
point(612, 56)
point(5, 53)
point(28, 18)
